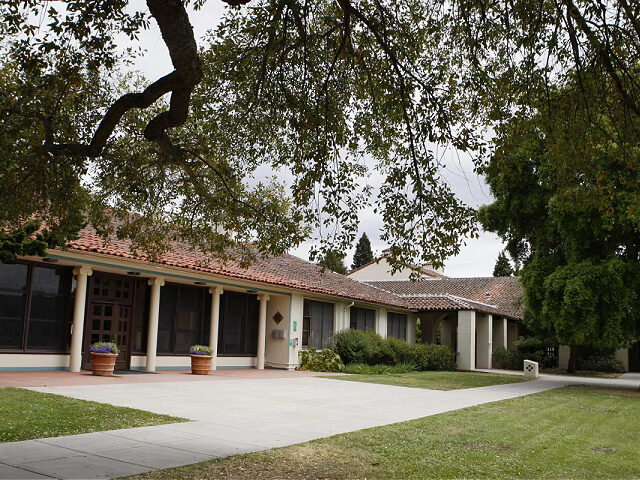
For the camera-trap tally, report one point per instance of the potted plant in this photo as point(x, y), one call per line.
point(103, 357)
point(201, 356)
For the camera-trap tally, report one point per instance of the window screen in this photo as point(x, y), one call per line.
point(363, 319)
point(397, 325)
point(317, 323)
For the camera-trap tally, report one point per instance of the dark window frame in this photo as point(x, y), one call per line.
point(394, 320)
point(176, 310)
point(26, 317)
point(247, 347)
point(353, 318)
point(307, 319)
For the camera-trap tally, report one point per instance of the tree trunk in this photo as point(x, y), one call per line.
point(573, 359)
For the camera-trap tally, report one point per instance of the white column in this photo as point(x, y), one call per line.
point(381, 322)
point(484, 325)
point(75, 357)
point(262, 329)
point(466, 340)
point(215, 318)
point(154, 310)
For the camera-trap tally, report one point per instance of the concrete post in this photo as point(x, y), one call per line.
point(484, 325)
point(262, 330)
point(466, 340)
point(75, 352)
point(215, 319)
point(154, 310)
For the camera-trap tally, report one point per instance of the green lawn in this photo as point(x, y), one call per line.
point(436, 380)
point(574, 432)
point(27, 414)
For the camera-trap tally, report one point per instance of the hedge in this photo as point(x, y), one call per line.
point(358, 347)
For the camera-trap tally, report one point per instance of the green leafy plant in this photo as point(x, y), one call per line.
point(434, 357)
point(325, 360)
point(200, 350)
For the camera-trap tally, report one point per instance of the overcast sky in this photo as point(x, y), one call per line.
point(476, 258)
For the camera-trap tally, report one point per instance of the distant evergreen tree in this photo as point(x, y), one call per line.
point(503, 267)
point(363, 253)
point(334, 261)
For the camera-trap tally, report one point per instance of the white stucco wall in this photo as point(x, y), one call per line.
point(277, 349)
point(35, 361)
point(380, 270)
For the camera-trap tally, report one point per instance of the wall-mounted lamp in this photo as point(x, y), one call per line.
point(134, 274)
point(252, 291)
point(199, 283)
point(50, 260)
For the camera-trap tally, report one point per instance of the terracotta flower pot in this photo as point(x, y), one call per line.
point(201, 364)
point(103, 363)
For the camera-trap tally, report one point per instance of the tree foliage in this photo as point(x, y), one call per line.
point(325, 92)
point(334, 261)
point(567, 204)
point(363, 253)
point(503, 267)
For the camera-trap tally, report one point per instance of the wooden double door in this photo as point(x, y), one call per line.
point(109, 315)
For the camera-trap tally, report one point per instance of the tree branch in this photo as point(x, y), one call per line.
point(177, 33)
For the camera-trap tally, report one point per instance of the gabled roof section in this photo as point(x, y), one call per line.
point(286, 270)
point(495, 295)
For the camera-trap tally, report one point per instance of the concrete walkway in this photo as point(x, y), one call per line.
point(229, 417)
point(626, 380)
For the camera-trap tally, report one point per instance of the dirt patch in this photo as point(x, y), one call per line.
point(603, 451)
point(485, 446)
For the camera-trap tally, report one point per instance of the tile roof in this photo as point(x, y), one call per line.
point(495, 295)
point(286, 270)
point(443, 294)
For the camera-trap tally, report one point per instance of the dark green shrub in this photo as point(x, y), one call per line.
point(605, 363)
point(356, 346)
point(325, 360)
point(507, 359)
point(434, 357)
point(537, 349)
point(400, 351)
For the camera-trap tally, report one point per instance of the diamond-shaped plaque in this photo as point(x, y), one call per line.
point(277, 318)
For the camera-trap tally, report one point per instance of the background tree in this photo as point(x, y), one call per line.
point(503, 267)
point(334, 261)
point(567, 204)
point(363, 253)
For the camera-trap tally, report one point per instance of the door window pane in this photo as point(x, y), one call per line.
point(140, 316)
